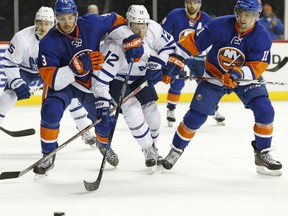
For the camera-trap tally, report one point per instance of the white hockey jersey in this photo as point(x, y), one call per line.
point(157, 42)
point(21, 54)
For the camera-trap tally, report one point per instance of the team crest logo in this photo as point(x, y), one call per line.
point(184, 33)
point(33, 63)
point(230, 57)
point(199, 97)
point(77, 42)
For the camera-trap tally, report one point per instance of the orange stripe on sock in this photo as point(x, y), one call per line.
point(173, 97)
point(263, 130)
point(49, 134)
point(185, 132)
point(102, 139)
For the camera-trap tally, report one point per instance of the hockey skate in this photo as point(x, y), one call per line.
point(151, 156)
point(219, 118)
point(265, 164)
point(170, 117)
point(111, 156)
point(172, 158)
point(89, 139)
point(43, 168)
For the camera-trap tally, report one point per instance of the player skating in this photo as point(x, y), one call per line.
point(68, 57)
point(180, 22)
point(240, 50)
point(20, 66)
point(140, 112)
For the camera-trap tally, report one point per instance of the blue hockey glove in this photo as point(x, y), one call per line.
point(103, 111)
point(21, 88)
point(154, 72)
point(173, 69)
point(231, 77)
point(82, 63)
point(133, 48)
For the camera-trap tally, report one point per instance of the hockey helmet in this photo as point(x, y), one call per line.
point(137, 14)
point(199, 1)
point(249, 5)
point(45, 14)
point(65, 7)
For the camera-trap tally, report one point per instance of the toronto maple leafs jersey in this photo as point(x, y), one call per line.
point(21, 54)
point(57, 49)
point(157, 42)
point(249, 51)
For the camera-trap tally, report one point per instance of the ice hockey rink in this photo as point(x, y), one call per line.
point(215, 175)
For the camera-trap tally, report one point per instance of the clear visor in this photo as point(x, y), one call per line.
point(246, 15)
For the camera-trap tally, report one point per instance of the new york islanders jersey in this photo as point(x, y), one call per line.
point(179, 25)
point(21, 54)
point(157, 42)
point(249, 51)
point(57, 49)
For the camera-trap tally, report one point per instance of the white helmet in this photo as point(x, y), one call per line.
point(137, 14)
point(45, 14)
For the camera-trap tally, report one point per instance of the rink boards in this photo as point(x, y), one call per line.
point(276, 92)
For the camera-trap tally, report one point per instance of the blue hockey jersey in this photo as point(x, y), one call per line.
point(249, 51)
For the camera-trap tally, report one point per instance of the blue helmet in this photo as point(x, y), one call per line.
point(65, 7)
point(249, 5)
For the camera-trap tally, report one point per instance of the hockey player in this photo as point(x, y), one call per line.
point(140, 112)
point(180, 22)
point(68, 55)
point(20, 65)
point(240, 50)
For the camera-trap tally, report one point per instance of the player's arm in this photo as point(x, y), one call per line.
point(163, 42)
point(102, 78)
point(53, 75)
point(13, 57)
point(123, 35)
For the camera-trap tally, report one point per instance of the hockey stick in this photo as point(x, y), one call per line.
point(239, 81)
point(20, 133)
point(91, 186)
point(279, 65)
point(17, 174)
point(25, 132)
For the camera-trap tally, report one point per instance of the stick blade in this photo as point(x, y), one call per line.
point(10, 175)
point(279, 66)
point(91, 186)
point(20, 133)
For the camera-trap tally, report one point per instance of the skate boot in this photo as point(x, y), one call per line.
point(219, 118)
point(45, 166)
point(151, 156)
point(171, 158)
point(265, 164)
point(89, 139)
point(170, 117)
point(111, 156)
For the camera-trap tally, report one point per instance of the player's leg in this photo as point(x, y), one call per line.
point(51, 113)
point(102, 132)
point(79, 115)
point(195, 117)
point(173, 97)
point(258, 101)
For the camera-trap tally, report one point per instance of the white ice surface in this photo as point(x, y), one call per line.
point(215, 175)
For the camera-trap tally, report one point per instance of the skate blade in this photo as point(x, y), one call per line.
point(170, 124)
point(264, 171)
point(222, 123)
point(39, 177)
point(92, 146)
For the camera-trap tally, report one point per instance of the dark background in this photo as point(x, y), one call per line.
point(28, 9)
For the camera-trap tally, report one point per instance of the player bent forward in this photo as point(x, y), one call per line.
point(250, 44)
